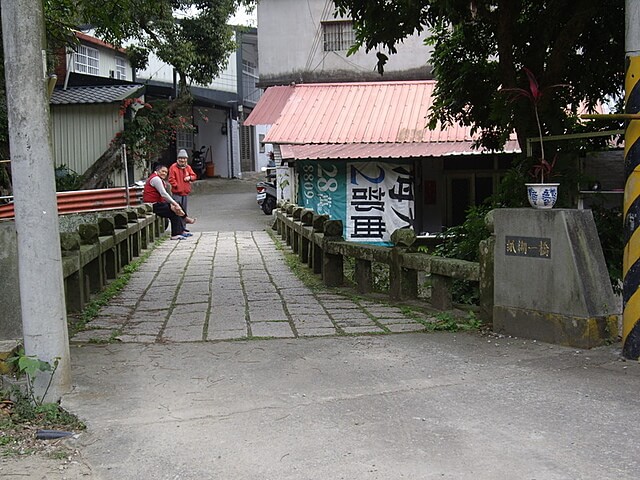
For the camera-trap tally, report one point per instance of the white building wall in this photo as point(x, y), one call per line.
point(291, 41)
point(106, 62)
point(159, 71)
point(262, 150)
point(210, 123)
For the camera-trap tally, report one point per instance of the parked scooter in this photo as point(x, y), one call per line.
point(197, 161)
point(266, 195)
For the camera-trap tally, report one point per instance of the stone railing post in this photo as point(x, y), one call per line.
point(403, 282)
point(332, 264)
point(296, 243)
point(363, 276)
point(288, 236)
point(121, 221)
point(316, 249)
point(487, 257)
point(441, 292)
point(107, 227)
point(134, 238)
point(94, 270)
point(306, 219)
point(75, 291)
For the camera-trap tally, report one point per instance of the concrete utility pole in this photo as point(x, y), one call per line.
point(44, 315)
point(631, 263)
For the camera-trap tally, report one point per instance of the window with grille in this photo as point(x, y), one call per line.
point(121, 69)
point(184, 139)
point(338, 36)
point(87, 60)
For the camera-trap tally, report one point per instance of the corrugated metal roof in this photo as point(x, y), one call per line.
point(371, 112)
point(359, 120)
point(94, 94)
point(385, 150)
point(270, 105)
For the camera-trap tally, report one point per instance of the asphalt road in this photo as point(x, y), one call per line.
point(227, 205)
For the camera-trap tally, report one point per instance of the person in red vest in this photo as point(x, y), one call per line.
point(155, 192)
point(180, 177)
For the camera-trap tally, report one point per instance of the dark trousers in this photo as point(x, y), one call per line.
point(164, 210)
point(182, 201)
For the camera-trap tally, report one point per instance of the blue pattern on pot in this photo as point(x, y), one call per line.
point(542, 195)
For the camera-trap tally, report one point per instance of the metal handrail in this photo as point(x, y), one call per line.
point(87, 200)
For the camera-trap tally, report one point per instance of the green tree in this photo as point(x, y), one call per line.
point(191, 35)
point(481, 47)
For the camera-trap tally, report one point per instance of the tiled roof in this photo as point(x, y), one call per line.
point(360, 120)
point(94, 94)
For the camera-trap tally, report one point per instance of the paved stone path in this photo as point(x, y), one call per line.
point(231, 285)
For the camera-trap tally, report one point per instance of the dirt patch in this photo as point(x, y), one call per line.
point(48, 460)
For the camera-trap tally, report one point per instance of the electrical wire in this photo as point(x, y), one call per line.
point(318, 35)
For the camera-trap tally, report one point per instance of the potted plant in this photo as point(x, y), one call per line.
point(540, 194)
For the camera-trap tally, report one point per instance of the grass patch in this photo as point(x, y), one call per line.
point(446, 322)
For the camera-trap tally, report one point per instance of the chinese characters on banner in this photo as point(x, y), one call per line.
point(322, 188)
point(373, 199)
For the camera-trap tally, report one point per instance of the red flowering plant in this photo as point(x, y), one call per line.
point(149, 131)
point(534, 94)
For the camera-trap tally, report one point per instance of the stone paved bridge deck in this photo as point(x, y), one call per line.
point(231, 285)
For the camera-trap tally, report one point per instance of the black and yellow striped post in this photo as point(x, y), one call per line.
point(631, 261)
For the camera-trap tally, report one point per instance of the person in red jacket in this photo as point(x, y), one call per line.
point(181, 175)
point(164, 205)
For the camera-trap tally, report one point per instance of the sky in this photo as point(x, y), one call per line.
point(243, 18)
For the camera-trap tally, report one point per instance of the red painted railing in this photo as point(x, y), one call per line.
point(88, 201)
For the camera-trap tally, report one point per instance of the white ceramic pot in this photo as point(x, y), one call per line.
point(542, 195)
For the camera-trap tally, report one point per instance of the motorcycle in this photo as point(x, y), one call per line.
point(266, 195)
point(197, 161)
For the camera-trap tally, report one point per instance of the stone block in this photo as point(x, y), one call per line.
point(106, 226)
point(403, 237)
point(551, 281)
point(89, 233)
point(120, 220)
point(69, 241)
point(297, 213)
point(333, 228)
point(318, 222)
point(132, 215)
point(306, 217)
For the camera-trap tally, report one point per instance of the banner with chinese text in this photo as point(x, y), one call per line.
point(372, 199)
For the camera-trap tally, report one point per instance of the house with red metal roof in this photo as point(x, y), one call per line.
point(363, 153)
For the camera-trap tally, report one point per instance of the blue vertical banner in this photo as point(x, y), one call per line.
point(322, 188)
point(380, 200)
point(373, 199)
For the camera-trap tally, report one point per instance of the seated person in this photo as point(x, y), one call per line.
point(155, 192)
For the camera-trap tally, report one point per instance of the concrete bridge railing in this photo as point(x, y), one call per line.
point(95, 247)
point(318, 242)
point(97, 252)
